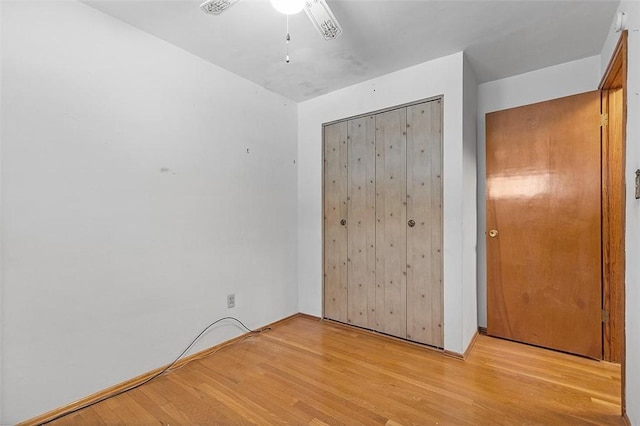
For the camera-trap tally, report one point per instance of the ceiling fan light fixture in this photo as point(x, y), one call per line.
point(216, 7)
point(318, 12)
point(288, 7)
point(323, 19)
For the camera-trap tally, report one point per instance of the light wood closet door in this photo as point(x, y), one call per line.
point(391, 241)
point(383, 182)
point(424, 224)
point(335, 221)
point(361, 204)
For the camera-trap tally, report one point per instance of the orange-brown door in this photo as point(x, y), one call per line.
point(544, 224)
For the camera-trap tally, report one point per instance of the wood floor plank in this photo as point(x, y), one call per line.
point(103, 412)
point(312, 372)
point(156, 410)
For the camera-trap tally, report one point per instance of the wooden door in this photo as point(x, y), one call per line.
point(424, 224)
point(391, 241)
point(361, 262)
point(335, 221)
point(544, 224)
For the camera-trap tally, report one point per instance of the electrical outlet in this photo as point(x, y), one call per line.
point(231, 301)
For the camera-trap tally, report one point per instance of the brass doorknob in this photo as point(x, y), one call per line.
point(493, 233)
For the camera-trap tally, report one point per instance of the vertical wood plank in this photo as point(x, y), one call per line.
point(424, 239)
point(606, 239)
point(335, 210)
point(613, 223)
point(391, 244)
point(362, 222)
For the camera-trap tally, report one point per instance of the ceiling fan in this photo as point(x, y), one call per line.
point(317, 10)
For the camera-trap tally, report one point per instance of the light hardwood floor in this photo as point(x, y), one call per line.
point(311, 372)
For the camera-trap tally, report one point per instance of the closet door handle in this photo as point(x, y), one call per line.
point(411, 223)
point(343, 222)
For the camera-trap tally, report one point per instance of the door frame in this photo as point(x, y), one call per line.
point(614, 134)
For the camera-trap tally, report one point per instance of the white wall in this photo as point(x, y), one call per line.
point(131, 207)
point(549, 83)
point(443, 76)
point(632, 236)
point(469, 203)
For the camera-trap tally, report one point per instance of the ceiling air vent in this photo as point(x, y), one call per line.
point(216, 7)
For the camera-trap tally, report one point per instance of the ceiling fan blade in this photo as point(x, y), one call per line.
point(216, 7)
point(322, 17)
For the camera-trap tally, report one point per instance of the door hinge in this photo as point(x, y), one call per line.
point(605, 315)
point(604, 119)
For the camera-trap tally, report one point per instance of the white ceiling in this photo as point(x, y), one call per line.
point(501, 38)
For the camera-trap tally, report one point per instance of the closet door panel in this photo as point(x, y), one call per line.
point(391, 184)
point(424, 224)
point(335, 225)
point(361, 204)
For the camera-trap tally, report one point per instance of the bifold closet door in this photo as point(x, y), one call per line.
point(383, 233)
point(335, 221)
point(361, 225)
point(391, 222)
point(424, 224)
